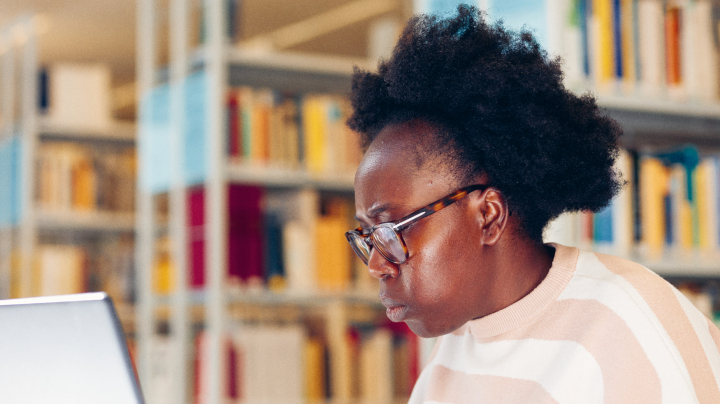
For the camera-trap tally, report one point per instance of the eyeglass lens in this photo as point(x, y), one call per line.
point(389, 243)
point(385, 239)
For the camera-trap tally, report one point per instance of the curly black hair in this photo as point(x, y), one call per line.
point(501, 110)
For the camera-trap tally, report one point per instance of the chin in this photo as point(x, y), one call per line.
point(421, 330)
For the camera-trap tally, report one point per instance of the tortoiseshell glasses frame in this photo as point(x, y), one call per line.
point(386, 236)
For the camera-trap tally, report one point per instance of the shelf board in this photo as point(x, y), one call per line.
point(85, 221)
point(693, 268)
point(287, 71)
point(124, 132)
point(282, 177)
point(266, 297)
point(695, 109)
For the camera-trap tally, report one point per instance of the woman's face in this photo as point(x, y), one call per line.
point(442, 284)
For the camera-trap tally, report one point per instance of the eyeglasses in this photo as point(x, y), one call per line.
point(386, 236)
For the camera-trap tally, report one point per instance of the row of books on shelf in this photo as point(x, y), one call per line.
point(285, 240)
point(267, 127)
point(266, 363)
point(659, 45)
point(668, 209)
point(72, 176)
point(66, 268)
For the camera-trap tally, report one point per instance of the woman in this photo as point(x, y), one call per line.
point(472, 146)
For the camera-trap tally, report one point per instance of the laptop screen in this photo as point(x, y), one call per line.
point(64, 349)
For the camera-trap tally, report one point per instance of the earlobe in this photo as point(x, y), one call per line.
point(493, 213)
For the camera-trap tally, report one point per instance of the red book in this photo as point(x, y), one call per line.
point(672, 45)
point(234, 147)
point(244, 236)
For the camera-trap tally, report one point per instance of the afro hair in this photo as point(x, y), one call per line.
point(499, 103)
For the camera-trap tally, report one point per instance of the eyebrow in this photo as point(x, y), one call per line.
point(375, 211)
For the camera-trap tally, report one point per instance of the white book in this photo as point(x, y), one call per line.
point(564, 230)
point(706, 54)
point(376, 367)
point(80, 96)
point(160, 378)
point(622, 214)
point(299, 241)
point(61, 270)
point(652, 50)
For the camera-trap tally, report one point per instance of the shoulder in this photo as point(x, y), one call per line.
point(679, 342)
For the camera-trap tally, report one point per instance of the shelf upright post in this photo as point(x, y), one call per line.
point(180, 328)
point(28, 233)
point(6, 133)
point(8, 86)
point(215, 197)
point(144, 219)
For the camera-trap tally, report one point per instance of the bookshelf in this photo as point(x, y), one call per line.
point(67, 209)
point(220, 305)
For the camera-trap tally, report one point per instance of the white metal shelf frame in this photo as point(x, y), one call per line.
point(18, 50)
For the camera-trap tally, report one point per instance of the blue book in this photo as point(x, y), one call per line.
point(617, 38)
point(438, 6)
point(195, 115)
point(669, 229)
point(522, 14)
point(636, 41)
point(10, 182)
point(603, 225)
point(584, 11)
point(153, 140)
point(273, 246)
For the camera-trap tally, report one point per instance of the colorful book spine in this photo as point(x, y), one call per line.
point(274, 129)
point(245, 257)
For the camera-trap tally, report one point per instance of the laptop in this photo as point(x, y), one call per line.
point(64, 349)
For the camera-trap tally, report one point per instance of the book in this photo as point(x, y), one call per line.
point(672, 45)
point(79, 96)
point(266, 355)
point(72, 176)
point(333, 255)
point(651, 30)
point(10, 181)
point(653, 189)
point(244, 235)
point(61, 270)
point(314, 357)
point(376, 360)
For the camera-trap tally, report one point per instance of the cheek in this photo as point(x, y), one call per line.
point(439, 269)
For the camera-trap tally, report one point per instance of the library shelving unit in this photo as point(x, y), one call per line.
point(221, 67)
point(26, 222)
point(661, 122)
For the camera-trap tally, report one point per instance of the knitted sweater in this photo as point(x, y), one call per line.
point(598, 329)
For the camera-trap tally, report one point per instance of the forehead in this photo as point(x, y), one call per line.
point(398, 175)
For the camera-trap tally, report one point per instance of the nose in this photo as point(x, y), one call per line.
point(380, 268)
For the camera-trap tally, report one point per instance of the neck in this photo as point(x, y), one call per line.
point(520, 265)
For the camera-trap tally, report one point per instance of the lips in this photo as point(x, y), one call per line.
point(395, 311)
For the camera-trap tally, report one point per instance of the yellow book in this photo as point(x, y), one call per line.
point(682, 211)
point(653, 188)
point(261, 121)
point(602, 9)
point(313, 116)
point(164, 272)
point(332, 253)
point(702, 201)
point(83, 183)
point(627, 33)
point(314, 371)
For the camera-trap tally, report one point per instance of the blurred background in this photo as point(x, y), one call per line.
point(190, 158)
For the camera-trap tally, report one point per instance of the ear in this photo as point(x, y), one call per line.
point(492, 215)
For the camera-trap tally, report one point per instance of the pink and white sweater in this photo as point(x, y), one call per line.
point(598, 329)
